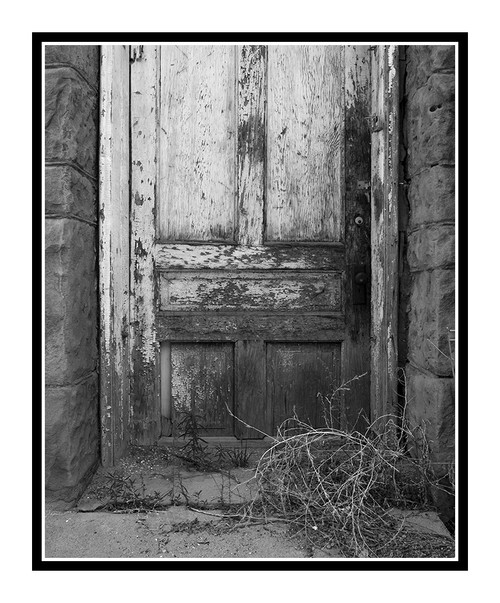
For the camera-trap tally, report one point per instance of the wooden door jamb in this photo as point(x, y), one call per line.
point(384, 232)
point(114, 259)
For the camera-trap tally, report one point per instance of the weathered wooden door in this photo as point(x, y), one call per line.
point(250, 243)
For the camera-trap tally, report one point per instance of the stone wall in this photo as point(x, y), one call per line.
point(71, 303)
point(429, 170)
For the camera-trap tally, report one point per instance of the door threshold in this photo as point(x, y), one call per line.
point(218, 441)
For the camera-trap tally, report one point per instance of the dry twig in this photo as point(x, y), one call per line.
point(337, 486)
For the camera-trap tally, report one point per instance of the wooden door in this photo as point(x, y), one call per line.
point(250, 247)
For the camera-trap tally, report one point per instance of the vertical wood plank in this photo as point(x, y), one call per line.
point(114, 252)
point(305, 144)
point(198, 143)
point(356, 348)
point(251, 144)
point(144, 89)
point(385, 165)
point(251, 403)
point(166, 387)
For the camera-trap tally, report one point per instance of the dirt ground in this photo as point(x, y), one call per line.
point(175, 533)
point(154, 505)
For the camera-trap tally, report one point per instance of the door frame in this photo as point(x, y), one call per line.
point(128, 349)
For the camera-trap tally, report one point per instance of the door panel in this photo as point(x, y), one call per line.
point(202, 381)
point(305, 143)
point(197, 139)
point(297, 373)
point(244, 256)
point(239, 291)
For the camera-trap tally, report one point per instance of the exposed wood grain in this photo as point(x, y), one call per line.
point(202, 377)
point(356, 348)
point(197, 143)
point(307, 292)
point(251, 144)
point(231, 257)
point(251, 403)
point(305, 144)
point(384, 227)
point(296, 374)
point(242, 153)
point(250, 326)
point(114, 252)
point(145, 347)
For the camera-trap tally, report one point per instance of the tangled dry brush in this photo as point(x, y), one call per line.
point(339, 488)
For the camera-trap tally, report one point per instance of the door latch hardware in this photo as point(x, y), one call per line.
point(375, 123)
point(359, 285)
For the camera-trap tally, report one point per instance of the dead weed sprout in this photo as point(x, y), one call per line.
point(338, 487)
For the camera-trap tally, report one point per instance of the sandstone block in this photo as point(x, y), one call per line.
point(431, 405)
point(71, 438)
point(71, 119)
point(84, 58)
point(431, 124)
point(431, 247)
point(70, 300)
point(431, 314)
point(431, 196)
point(67, 191)
point(423, 61)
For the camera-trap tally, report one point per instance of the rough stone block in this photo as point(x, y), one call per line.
point(71, 119)
point(71, 438)
point(431, 405)
point(423, 61)
point(67, 191)
point(84, 58)
point(431, 247)
point(431, 124)
point(431, 315)
point(70, 300)
point(431, 196)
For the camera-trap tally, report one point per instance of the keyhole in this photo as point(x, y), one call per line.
point(358, 220)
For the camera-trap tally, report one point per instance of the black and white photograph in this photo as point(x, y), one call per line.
point(250, 333)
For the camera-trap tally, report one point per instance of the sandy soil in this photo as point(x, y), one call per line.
point(88, 531)
point(175, 533)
